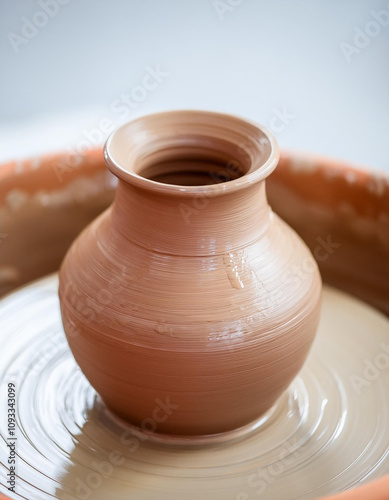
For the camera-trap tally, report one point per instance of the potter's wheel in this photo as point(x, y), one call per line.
point(326, 434)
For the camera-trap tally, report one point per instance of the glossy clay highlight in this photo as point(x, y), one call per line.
point(185, 289)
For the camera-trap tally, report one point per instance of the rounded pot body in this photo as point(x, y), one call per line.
point(188, 304)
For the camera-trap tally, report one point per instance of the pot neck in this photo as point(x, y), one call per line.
point(199, 225)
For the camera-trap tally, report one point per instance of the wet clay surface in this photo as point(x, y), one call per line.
point(317, 196)
point(328, 432)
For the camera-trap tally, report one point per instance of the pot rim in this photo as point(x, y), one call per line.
point(256, 172)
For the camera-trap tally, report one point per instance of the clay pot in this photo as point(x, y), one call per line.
point(189, 293)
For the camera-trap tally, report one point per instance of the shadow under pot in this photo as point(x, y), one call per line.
point(181, 303)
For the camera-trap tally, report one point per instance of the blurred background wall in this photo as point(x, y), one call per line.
point(315, 72)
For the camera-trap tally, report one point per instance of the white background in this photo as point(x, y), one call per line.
point(258, 59)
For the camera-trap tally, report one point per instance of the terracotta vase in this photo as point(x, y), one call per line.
point(188, 304)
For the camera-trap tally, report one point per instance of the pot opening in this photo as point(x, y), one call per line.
point(181, 152)
point(193, 171)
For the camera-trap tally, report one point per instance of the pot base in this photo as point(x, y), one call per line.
point(123, 426)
